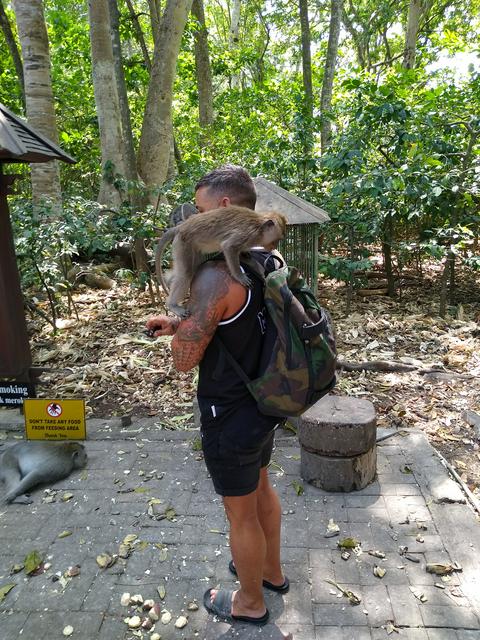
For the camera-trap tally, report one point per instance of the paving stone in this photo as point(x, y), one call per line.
point(449, 617)
point(329, 633)
point(103, 590)
point(406, 634)
point(376, 600)
point(393, 575)
point(399, 489)
point(341, 613)
point(296, 605)
point(299, 631)
point(356, 633)
point(49, 625)
point(465, 634)
point(111, 628)
point(362, 501)
point(11, 624)
point(41, 593)
point(347, 571)
point(323, 592)
point(322, 560)
point(366, 514)
point(406, 608)
point(343, 633)
point(442, 634)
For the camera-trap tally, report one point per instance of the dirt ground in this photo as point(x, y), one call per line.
point(105, 357)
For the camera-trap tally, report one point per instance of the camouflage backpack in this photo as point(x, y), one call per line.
point(297, 364)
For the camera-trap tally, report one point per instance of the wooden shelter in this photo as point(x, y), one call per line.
point(300, 246)
point(18, 143)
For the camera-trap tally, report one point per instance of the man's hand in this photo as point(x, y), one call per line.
point(163, 325)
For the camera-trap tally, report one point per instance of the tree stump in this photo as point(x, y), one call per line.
point(338, 443)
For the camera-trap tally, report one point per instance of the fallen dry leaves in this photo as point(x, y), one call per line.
point(106, 358)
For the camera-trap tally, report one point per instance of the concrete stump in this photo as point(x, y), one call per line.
point(338, 443)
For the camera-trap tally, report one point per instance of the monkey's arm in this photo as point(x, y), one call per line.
point(214, 295)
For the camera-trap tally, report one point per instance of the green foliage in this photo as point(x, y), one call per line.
point(403, 167)
point(407, 153)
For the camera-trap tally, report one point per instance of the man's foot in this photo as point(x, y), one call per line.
point(223, 603)
point(278, 588)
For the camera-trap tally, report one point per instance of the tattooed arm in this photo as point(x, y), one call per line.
point(214, 295)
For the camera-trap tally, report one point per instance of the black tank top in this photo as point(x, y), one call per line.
point(242, 334)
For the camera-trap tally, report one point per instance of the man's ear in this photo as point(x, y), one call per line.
point(225, 202)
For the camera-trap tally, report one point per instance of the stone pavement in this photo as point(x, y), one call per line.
point(188, 553)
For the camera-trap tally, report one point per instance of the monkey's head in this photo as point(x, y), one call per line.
point(79, 455)
point(274, 229)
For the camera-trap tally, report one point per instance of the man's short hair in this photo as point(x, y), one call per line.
point(232, 181)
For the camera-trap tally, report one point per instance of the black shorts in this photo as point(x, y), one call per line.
point(237, 442)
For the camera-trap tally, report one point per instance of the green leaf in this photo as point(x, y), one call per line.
point(32, 561)
point(298, 488)
point(5, 590)
point(348, 543)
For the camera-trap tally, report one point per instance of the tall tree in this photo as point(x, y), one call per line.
point(130, 159)
point(202, 67)
point(155, 139)
point(415, 11)
point(13, 48)
point(106, 99)
point(235, 36)
point(306, 56)
point(329, 71)
point(33, 37)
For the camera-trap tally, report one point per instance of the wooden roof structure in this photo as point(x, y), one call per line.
point(20, 143)
point(298, 211)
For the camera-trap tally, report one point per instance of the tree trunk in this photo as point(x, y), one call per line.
point(154, 148)
point(12, 47)
point(33, 37)
point(106, 99)
point(414, 14)
point(444, 287)
point(202, 67)
point(306, 57)
point(357, 39)
point(387, 254)
point(234, 36)
point(154, 6)
point(139, 35)
point(330, 62)
point(129, 152)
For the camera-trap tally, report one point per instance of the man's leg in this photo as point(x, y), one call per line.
point(248, 547)
point(269, 512)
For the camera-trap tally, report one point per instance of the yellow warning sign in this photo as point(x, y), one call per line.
point(54, 419)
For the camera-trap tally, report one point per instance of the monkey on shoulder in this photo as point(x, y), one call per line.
point(231, 230)
point(27, 464)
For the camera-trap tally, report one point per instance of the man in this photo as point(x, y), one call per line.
point(237, 440)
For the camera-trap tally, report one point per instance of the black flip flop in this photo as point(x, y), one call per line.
point(282, 588)
point(222, 607)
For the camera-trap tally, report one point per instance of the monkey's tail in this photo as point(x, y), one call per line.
point(162, 244)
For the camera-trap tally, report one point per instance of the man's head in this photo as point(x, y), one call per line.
point(229, 184)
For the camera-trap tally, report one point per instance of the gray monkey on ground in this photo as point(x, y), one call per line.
point(26, 464)
point(231, 230)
